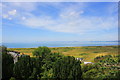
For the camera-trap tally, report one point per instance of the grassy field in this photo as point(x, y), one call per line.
point(88, 53)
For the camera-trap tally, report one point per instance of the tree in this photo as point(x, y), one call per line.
point(67, 68)
point(41, 52)
point(7, 64)
point(27, 68)
point(22, 68)
point(36, 68)
point(12, 78)
point(48, 65)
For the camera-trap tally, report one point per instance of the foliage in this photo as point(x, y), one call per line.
point(41, 52)
point(48, 63)
point(12, 78)
point(27, 68)
point(106, 68)
point(67, 68)
point(7, 64)
point(45, 65)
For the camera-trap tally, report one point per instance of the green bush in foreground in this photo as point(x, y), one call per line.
point(105, 68)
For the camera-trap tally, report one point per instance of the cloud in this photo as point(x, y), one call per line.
point(5, 16)
point(13, 12)
point(72, 22)
point(9, 14)
point(28, 6)
point(17, 10)
point(9, 18)
point(23, 18)
point(70, 19)
point(73, 18)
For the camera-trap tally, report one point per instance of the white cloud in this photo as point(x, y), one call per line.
point(5, 16)
point(70, 19)
point(17, 10)
point(72, 22)
point(28, 6)
point(23, 18)
point(9, 15)
point(12, 12)
point(9, 18)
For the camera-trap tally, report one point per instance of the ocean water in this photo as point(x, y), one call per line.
point(60, 44)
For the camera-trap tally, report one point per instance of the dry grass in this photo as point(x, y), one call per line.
point(88, 53)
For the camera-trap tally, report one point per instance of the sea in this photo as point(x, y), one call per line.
point(60, 44)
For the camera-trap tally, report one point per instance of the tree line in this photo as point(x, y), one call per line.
point(44, 65)
point(55, 66)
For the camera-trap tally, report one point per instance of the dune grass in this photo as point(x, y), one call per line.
point(88, 52)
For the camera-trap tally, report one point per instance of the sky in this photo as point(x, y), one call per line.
point(60, 0)
point(59, 21)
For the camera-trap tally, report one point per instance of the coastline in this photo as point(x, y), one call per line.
point(60, 44)
point(69, 46)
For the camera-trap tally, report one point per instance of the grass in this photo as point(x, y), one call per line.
point(88, 52)
point(83, 53)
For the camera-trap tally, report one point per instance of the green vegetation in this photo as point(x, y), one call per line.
point(83, 54)
point(45, 65)
point(88, 52)
point(7, 64)
point(41, 52)
point(49, 63)
point(105, 68)
point(27, 68)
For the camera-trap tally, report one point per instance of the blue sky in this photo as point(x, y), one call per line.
point(60, 21)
